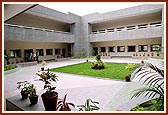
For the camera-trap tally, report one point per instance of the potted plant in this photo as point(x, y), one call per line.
point(153, 79)
point(129, 66)
point(89, 105)
point(142, 60)
point(98, 64)
point(7, 57)
point(33, 97)
point(63, 105)
point(87, 58)
point(43, 63)
point(22, 86)
point(50, 97)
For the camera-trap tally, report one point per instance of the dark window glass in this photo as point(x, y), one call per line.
point(131, 48)
point(15, 53)
point(49, 52)
point(103, 49)
point(40, 52)
point(111, 49)
point(57, 51)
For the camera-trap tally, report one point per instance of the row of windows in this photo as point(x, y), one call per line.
point(17, 53)
point(141, 48)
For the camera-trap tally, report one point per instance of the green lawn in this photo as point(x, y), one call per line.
point(112, 70)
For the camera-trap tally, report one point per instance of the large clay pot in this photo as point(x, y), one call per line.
point(50, 102)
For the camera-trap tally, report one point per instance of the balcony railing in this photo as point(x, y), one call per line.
point(129, 32)
point(18, 32)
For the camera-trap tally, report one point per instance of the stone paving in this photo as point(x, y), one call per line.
point(111, 94)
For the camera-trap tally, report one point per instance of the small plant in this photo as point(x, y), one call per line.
point(89, 105)
point(98, 64)
point(43, 63)
point(47, 78)
point(129, 67)
point(63, 105)
point(98, 57)
point(22, 86)
point(142, 60)
point(33, 97)
point(7, 57)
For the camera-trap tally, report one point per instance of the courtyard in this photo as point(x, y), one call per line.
point(111, 94)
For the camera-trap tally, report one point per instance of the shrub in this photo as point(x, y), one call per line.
point(154, 82)
point(98, 64)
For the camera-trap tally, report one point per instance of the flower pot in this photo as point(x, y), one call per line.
point(42, 69)
point(33, 100)
point(50, 102)
point(142, 62)
point(24, 94)
point(127, 78)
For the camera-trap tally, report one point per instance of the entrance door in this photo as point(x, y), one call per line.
point(27, 53)
point(95, 51)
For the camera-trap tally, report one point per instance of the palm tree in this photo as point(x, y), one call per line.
point(153, 78)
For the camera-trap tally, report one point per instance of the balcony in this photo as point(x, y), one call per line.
point(130, 32)
point(24, 33)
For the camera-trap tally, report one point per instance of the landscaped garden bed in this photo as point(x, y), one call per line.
point(9, 67)
point(111, 70)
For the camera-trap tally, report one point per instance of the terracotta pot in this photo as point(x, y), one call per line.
point(42, 69)
point(50, 102)
point(127, 78)
point(142, 62)
point(33, 100)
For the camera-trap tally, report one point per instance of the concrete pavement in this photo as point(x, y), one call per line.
point(78, 88)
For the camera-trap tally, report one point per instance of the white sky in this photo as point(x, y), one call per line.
point(83, 8)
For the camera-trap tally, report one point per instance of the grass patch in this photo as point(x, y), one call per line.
point(9, 67)
point(112, 70)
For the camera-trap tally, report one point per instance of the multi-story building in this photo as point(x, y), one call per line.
point(134, 31)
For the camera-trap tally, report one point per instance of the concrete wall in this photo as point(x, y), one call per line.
point(12, 10)
point(34, 34)
point(127, 34)
point(125, 13)
point(132, 21)
point(30, 20)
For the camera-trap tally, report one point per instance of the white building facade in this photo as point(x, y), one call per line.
point(130, 32)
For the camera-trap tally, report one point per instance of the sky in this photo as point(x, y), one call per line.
point(84, 8)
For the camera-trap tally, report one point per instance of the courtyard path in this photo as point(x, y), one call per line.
point(109, 93)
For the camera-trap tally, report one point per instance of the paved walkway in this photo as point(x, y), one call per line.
point(109, 93)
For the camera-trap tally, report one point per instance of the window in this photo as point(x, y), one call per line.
point(103, 49)
point(40, 52)
point(111, 49)
point(63, 51)
point(15, 53)
point(49, 52)
point(57, 51)
point(131, 48)
point(155, 47)
point(143, 48)
point(121, 48)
